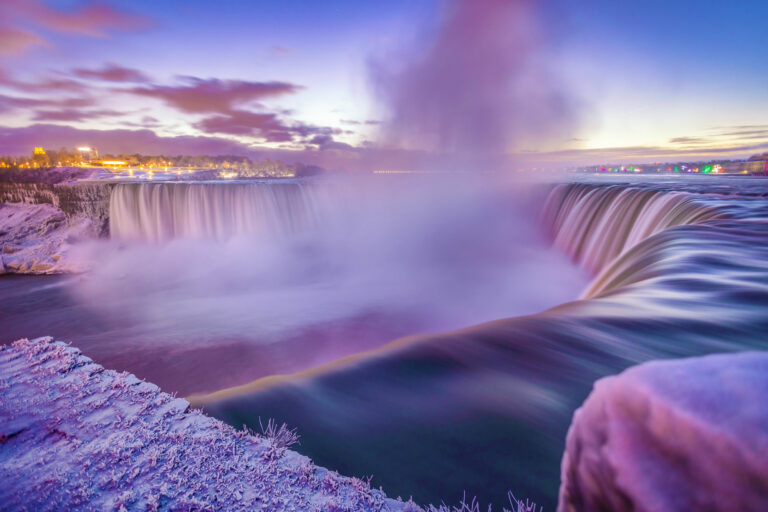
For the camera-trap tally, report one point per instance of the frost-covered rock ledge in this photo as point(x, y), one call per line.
point(664, 436)
point(74, 436)
point(44, 211)
point(37, 239)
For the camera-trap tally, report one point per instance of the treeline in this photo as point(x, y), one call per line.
point(50, 158)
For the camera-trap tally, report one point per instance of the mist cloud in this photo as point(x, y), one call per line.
point(478, 86)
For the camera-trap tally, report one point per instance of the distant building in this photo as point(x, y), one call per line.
point(746, 167)
point(39, 158)
point(88, 154)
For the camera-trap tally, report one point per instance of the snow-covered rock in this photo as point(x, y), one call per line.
point(44, 211)
point(74, 436)
point(681, 435)
point(36, 238)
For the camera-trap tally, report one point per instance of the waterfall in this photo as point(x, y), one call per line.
point(162, 211)
point(595, 224)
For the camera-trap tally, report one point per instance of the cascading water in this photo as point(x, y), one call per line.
point(164, 211)
point(592, 224)
point(487, 408)
point(596, 224)
point(211, 285)
point(280, 276)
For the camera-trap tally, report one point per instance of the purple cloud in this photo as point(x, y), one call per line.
point(73, 115)
point(95, 19)
point(8, 103)
point(50, 84)
point(267, 126)
point(14, 41)
point(240, 122)
point(199, 95)
point(112, 72)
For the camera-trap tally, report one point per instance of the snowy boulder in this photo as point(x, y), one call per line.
point(680, 435)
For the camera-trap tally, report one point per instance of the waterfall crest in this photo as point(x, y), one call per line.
point(595, 224)
point(162, 211)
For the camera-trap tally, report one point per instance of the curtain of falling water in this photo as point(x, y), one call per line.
point(162, 211)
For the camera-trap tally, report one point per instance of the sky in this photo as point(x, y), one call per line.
point(396, 84)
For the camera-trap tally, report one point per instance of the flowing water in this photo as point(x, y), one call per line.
point(290, 292)
point(165, 211)
point(204, 286)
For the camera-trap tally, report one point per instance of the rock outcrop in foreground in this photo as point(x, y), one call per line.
point(74, 436)
point(683, 435)
point(44, 211)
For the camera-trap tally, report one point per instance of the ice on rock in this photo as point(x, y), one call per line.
point(34, 238)
point(72, 438)
point(681, 435)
